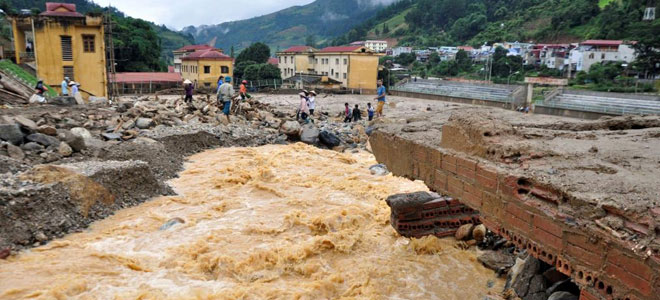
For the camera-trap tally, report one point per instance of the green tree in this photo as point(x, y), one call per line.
point(262, 72)
point(257, 52)
point(232, 54)
point(386, 29)
point(463, 61)
point(239, 68)
point(137, 46)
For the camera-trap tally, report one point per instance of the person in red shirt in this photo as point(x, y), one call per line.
point(243, 91)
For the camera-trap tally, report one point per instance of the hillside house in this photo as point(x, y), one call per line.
point(597, 51)
point(62, 42)
point(376, 46)
point(401, 50)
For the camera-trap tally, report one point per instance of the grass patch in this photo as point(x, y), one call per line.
point(9, 67)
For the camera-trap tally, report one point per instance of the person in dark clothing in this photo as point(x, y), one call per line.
point(189, 92)
point(347, 113)
point(357, 114)
point(40, 88)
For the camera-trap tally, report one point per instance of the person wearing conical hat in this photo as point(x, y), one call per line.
point(188, 87)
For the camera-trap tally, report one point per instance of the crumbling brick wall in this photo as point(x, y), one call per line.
point(527, 213)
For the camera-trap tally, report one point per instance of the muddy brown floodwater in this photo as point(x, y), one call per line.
point(275, 222)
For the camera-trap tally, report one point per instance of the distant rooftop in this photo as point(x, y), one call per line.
point(298, 49)
point(190, 48)
point(340, 49)
point(602, 43)
point(61, 10)
point(144, 77)
point(274, 61)
point(208, 54)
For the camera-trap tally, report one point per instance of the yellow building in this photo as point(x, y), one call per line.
point(356, 67)
point(63, 43)
point(204, 67)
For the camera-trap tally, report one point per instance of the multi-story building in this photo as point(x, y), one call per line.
point(597, 51)
point(552, 56)
point(401, 50)
point(356, 67)
point(376, 46)
point(184, 51)
point(204, 67)
point(63, 43)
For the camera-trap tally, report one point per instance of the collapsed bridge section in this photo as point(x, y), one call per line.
point(581, 196)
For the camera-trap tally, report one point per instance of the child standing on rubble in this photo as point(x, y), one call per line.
point(370, 111)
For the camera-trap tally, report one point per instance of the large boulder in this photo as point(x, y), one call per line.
point(26, 123)
point(290, 128)
point(76, 142)
point(329, 139)
point(63, 101)
point(11, 133)
point(144, 123)
point(82, 132)
point(310, 134)
point(15, 152)
point(43, 139)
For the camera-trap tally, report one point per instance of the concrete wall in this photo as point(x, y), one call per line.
point(553, 111)
point(526, 212)
point(612, 95)
point(363, 72)
point(452, 99)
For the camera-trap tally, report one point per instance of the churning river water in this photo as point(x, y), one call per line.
point(274, 222)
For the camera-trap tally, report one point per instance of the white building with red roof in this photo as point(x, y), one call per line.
point(591, 52)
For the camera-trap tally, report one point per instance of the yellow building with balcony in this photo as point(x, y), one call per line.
point(204, 67)
point(356, 67)
point(61, 42)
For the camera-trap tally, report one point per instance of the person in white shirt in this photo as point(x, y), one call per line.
point(311, 103)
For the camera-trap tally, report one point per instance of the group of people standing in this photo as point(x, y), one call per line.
point(307, 105)
point(68, 83)
point(225, 93)
point(355, 114)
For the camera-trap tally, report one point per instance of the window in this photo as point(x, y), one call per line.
point(224, 70)
point(68, 72)
point(602, 56)
point(316, 61)
point(337, 61)
point(67, 50)
point(286, 59)
point(345, 61)
point(279, 60)
point(207, 84)
point(332, 71)
point(207, 69)
point(344, 75)
point(591, 56)
point(88, 43)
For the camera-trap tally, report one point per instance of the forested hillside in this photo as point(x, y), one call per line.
point(475, 22)
point(139, 45)
point(316, 22)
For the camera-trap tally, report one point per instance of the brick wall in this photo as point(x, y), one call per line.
point(527, 213)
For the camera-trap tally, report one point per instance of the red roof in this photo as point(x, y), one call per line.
point(299, 49)
point(341, 49)
point(69, 10)
point(602, 43)
point(209, 54)
point(143, 77)
point(465, 48)
point(193, 48)
point(274, 61)
point(170, 69)
point(551, 46)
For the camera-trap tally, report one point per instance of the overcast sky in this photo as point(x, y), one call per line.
point(180, 13)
